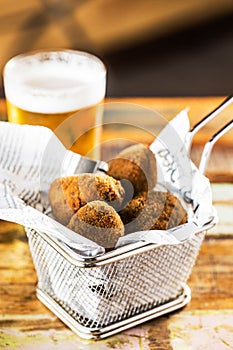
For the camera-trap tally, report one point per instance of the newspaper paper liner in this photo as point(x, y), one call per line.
point(31, 157)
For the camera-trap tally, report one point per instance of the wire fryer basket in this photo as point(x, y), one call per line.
point(106, 293)
point(100, 296)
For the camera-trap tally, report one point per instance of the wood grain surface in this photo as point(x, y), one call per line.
point(205, 323)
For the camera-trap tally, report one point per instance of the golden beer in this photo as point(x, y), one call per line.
point(61, 90)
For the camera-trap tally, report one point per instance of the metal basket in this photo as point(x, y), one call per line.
point(97, 297)
point(101, 296)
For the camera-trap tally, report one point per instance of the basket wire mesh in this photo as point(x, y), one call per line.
point(99, 296)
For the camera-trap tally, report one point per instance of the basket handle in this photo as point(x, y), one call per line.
point(205, 120)
point(209, 145)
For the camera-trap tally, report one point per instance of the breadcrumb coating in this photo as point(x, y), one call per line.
point(153, 211)
point(136, 164)
point(67, 195)
point(99, 222)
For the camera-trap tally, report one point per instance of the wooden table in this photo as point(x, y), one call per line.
point(205, 323)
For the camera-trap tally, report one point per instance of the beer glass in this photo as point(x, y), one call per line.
point(60, 89)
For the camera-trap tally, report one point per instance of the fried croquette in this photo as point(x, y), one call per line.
point(64, 197)
point(68, 194)
point(153, 211)
point(99, 222)
point(136, 164)
point(173, 214)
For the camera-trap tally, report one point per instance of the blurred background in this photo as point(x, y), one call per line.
point(150, 47)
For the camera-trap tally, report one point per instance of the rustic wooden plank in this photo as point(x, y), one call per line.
point(223, 203)
point(158, 334)
point(198, 107)
point(180, 330)
point(212, 277)
point(201, 330)
point(19, 299)
point(47, 332)
point(222, 193)
point(219, 168)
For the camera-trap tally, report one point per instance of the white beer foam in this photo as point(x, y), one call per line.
point(61, 84)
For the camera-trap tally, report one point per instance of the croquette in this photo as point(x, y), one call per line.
point(104, 207)
point(68, 194)
point(138, 165)
point(153, 211)
point(173, 214)
point(64, 197)
point(99, 222)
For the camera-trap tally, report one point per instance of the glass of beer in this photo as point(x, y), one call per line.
point(60, 89)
